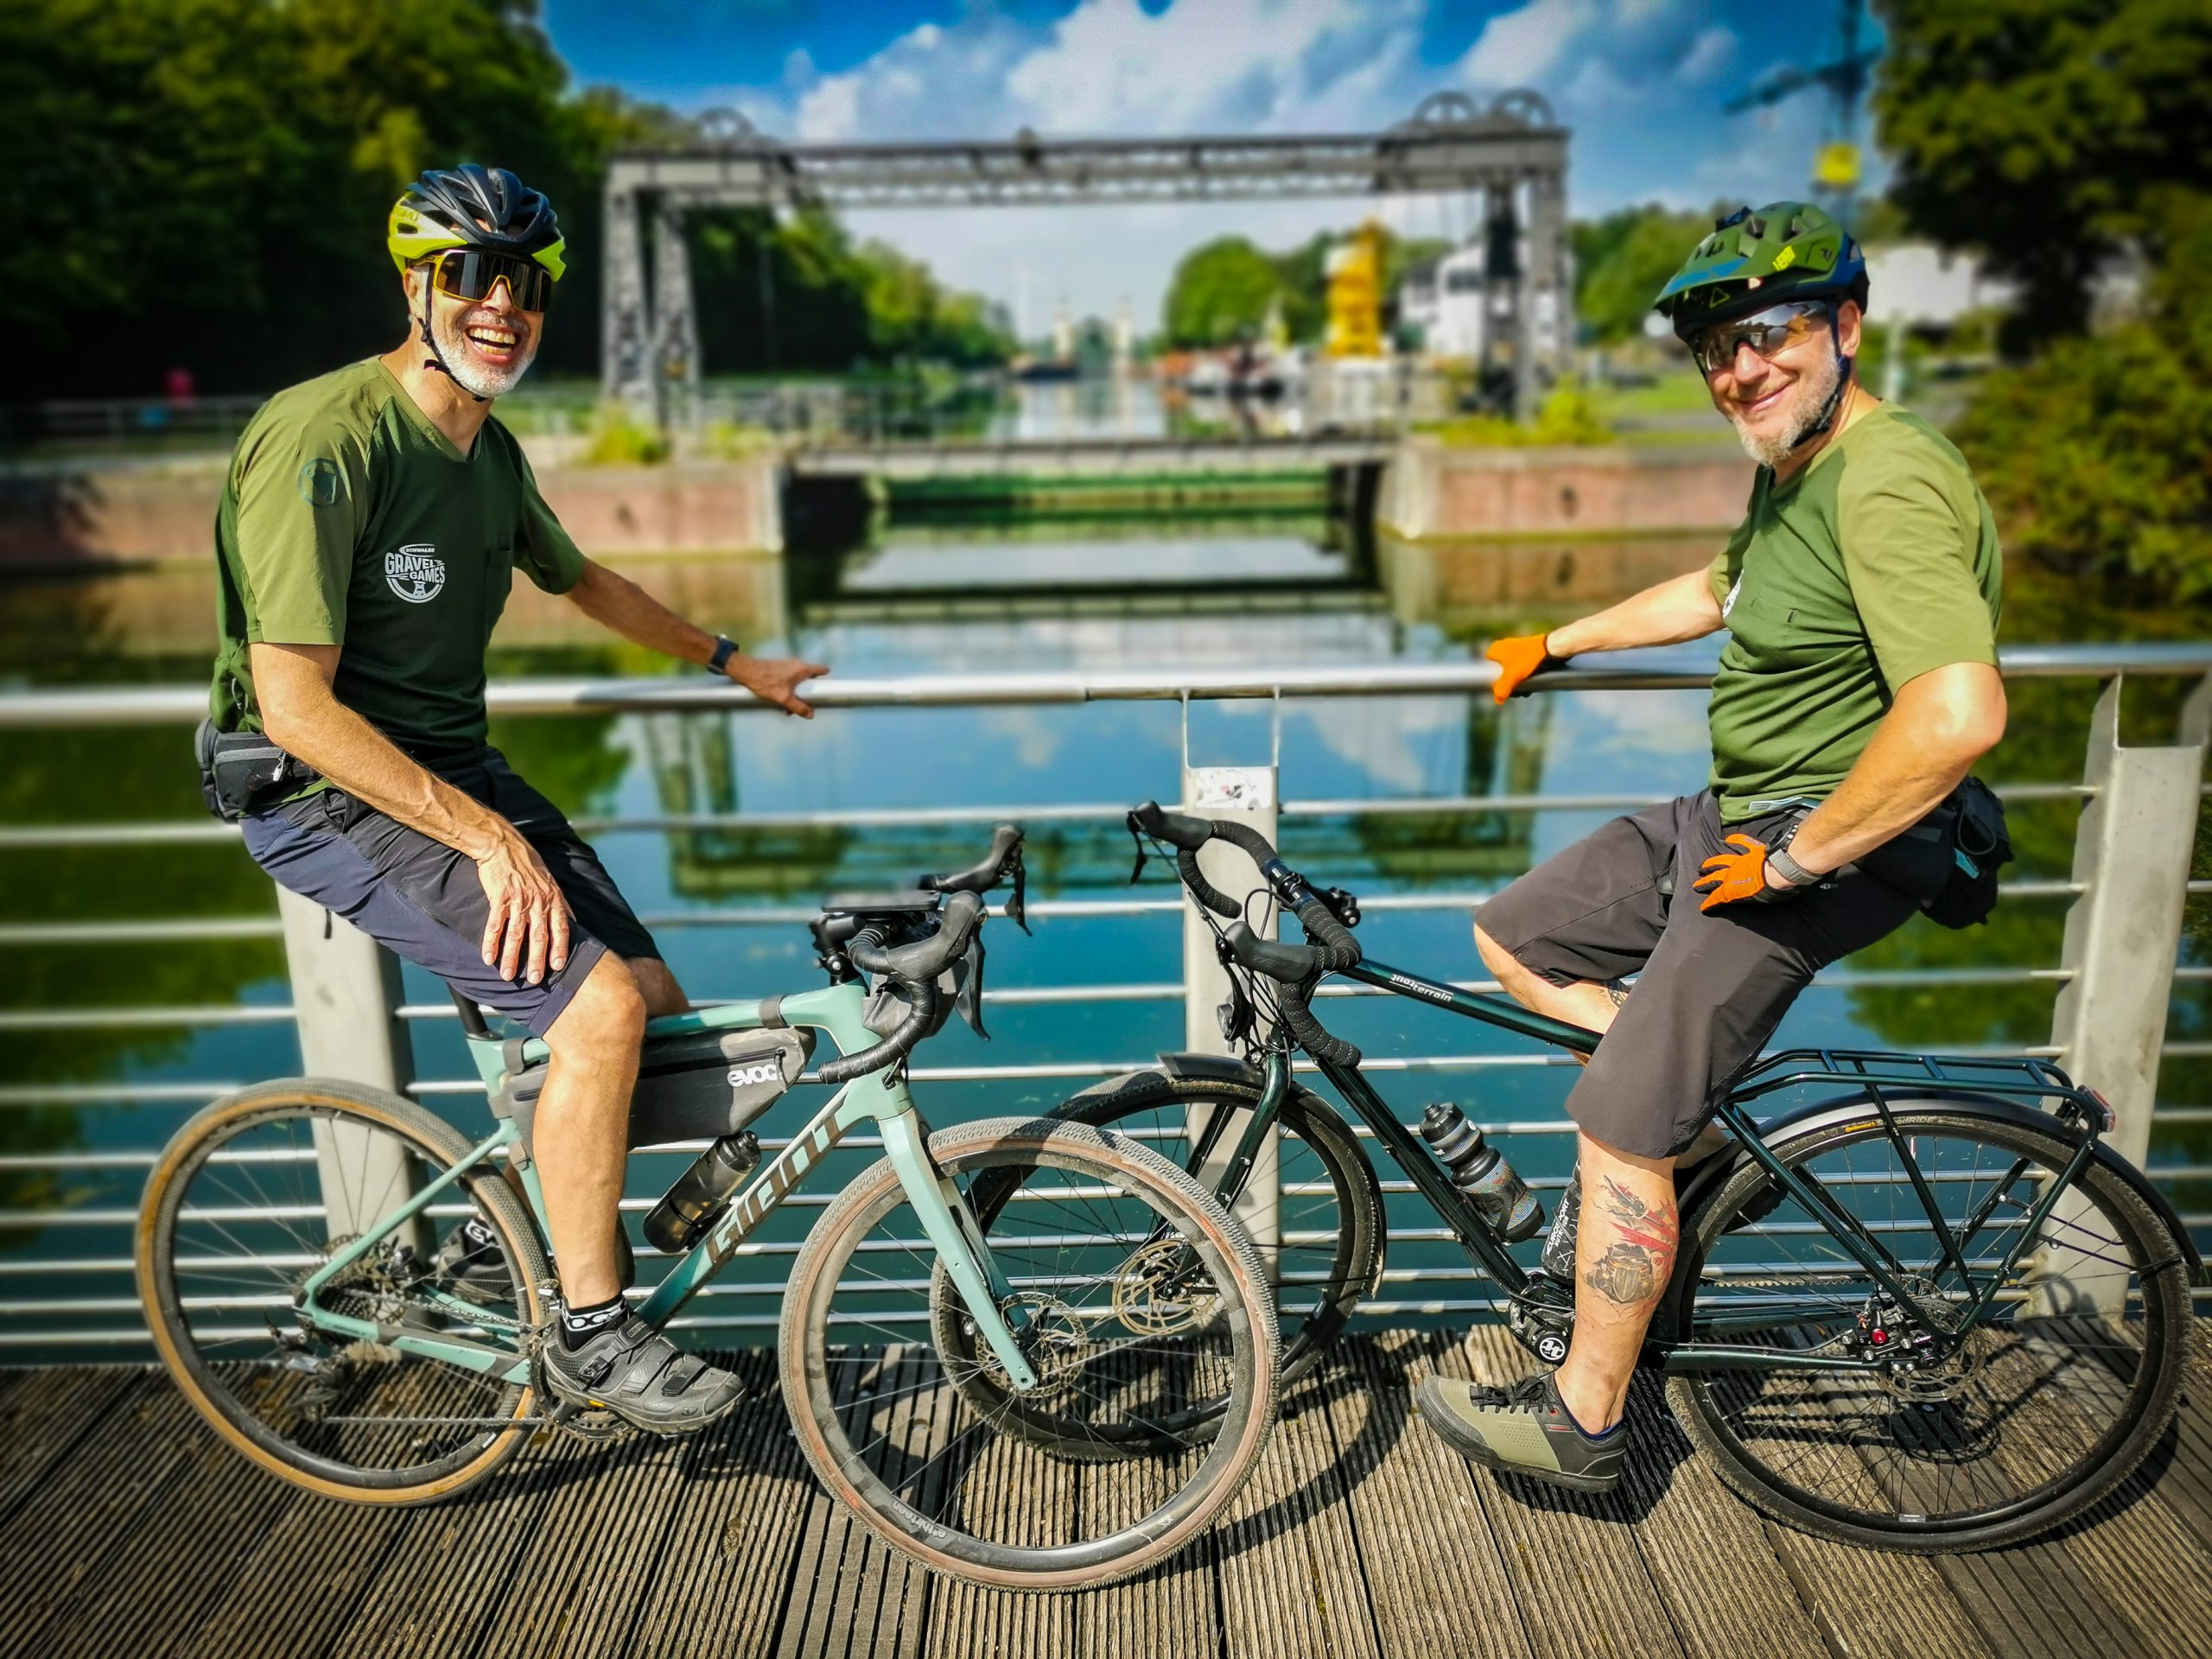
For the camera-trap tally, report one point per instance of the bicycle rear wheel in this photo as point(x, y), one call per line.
point(2047, 1404)
point(242, 1208)
point(1140, 1294)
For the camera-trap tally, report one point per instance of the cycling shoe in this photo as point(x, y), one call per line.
point(632, 1370)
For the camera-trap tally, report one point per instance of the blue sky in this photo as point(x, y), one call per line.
point(1640, 82)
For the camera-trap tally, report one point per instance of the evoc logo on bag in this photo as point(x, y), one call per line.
point(739, 1076)
point(415, 572)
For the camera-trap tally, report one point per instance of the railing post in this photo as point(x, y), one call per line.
point(2131, 859)
point(345, 994)
point(1248, 795)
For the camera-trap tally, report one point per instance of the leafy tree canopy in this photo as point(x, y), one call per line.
point(204, 183)
point(2047, 133)
point(2094, 456)
point(1622, 260)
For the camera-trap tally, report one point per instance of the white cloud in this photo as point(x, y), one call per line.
point(1517, 49)
point(1708, 55)
point(1633, 79)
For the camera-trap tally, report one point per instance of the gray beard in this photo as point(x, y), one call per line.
point(470, 377)
point(1810, 397)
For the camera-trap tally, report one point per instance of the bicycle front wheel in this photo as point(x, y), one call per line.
point(1140, 1297)
point(256, 1194)
point(1953, 1430)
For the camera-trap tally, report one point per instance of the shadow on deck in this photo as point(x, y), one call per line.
point(126, 1528)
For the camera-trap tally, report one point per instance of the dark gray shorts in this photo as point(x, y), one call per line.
point(1711, 985)
point(424, 901)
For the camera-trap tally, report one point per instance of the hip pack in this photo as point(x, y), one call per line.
point(243, 772)
point(1948, 862)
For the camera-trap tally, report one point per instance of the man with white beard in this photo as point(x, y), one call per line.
point(368, 535)
point(1858, 683)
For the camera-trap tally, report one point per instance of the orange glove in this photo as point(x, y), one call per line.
point(1733, 878)
point(1516, 659)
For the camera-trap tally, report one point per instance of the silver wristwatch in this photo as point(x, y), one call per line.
point(1791, 870)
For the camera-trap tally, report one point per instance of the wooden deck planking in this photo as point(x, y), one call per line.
point(77, 1519)
point(128, 1529)
point(1439, 1583)
point(1582, 1583)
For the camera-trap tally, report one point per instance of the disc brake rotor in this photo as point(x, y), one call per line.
point(1163, 1289)
point(1055, 1340)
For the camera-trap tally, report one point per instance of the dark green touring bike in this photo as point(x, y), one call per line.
point(1929, 1311)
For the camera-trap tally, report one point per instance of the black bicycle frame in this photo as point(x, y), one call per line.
point(1483, 1244)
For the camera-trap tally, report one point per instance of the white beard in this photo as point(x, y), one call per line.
point(1807, 399)
point(469, 375)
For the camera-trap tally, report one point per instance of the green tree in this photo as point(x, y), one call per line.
point(205, 183)
point(1220, 291)
point(2047, 133)
point(2094, 457)
point(1622, 260)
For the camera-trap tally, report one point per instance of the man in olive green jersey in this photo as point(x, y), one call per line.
point(1857, 686)
point(366, 540)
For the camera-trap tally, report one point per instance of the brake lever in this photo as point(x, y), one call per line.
point(968, 1004)
point(1137, 874)
point(1017, 904)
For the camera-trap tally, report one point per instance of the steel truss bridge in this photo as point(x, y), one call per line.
point(1509, 158)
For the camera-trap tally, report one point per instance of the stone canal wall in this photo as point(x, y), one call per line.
point(58, 520)
point(135, 515)
point(1434, 490)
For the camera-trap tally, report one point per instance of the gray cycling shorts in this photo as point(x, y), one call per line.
point(424, 901)
point(1711, 985)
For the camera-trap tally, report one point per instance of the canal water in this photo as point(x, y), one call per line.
point(934, 594)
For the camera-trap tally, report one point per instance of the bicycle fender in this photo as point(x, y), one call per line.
point(1707, 1177)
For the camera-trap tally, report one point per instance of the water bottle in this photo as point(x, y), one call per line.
point(1479, 1170)
point(689, 1207)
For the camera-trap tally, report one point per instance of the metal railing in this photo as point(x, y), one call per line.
point(107, 1321)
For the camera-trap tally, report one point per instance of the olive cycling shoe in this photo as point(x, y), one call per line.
point(628, 1368)
point(1522, 1430)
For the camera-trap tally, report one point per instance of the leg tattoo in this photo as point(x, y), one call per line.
point(1616, 993)
point(1636, 1264)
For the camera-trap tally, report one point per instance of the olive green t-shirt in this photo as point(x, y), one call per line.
point(1874, 565)
point(349, 519)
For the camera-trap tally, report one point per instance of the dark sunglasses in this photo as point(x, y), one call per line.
point(471, 275)
point(1767, 332)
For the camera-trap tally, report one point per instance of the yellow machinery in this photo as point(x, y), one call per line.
point(1354, 269)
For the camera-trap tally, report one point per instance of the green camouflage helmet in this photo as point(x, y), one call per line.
point(1784, 251)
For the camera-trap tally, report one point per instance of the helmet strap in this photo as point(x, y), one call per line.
point(436, 359)
point(1828, 414)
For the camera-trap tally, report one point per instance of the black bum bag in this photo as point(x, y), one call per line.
point(244, 772)
point(1948, 862)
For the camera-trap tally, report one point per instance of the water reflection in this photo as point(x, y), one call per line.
point(940, 596)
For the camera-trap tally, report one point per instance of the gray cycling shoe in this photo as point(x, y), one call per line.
point(1522, 1430)
point(630, 1369)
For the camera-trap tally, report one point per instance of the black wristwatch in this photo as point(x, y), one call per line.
point(725, 648)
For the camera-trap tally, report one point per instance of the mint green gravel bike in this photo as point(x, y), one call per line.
point(1007, 1412)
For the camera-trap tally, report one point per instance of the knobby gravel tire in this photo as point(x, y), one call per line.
point(803, 1359)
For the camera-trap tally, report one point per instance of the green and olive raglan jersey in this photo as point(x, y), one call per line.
point(349, 519)
point(1872, 566)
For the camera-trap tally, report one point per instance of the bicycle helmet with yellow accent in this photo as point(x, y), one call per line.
point(1784, 251)
point(473, 206)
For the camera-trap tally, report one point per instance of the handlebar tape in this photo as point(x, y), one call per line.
point(1331, 938)
point(1186, 865)
point(1311, 1035)
point(924, 959)
point(900, 1044)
